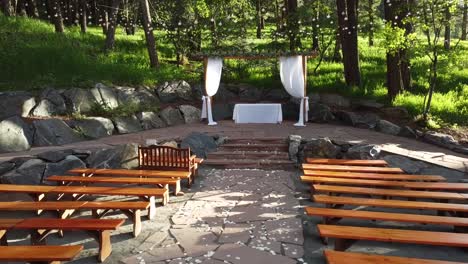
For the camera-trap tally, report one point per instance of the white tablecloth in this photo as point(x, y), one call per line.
point(258, 113)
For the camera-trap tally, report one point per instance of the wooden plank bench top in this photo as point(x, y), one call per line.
point(390, 203)
point(69, 224)
point(387, 192)
point(64, 205)
point(384, 216)
point(306, 166)
point(349, 162)
point(373, 176)
point(394, 235)
point(449, 186)
point(133, 173)
point(118, 180)
point(8, 223)
point(51, 254)
point(337, 257)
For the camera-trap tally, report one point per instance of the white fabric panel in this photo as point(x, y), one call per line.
point(292, 77)
point(206, 111)
point(258, 113)
point(214, 68)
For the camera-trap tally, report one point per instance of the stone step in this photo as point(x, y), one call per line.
point(255, 147)
point(254, 155)
point(257, 141)
point(251, 164)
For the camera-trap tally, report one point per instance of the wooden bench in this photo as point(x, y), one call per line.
point(38, 192)
point(39, 254)
point(41, 227)
point(447, 186)
point(167, 158)
point(336, 202)
point(387, 193)
point(331, 216)
point(67, 180)
point(99, 209)
point(337, 257)
point(306, 166)
point(349, 162)
point(373, 176)
point(345, 236)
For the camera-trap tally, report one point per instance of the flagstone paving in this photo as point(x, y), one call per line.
point(237, 216)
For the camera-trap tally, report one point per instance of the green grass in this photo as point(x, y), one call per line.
point(33, 56)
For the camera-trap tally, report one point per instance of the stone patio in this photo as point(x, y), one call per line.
point(237, 216)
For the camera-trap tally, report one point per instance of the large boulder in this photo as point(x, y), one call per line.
point(6, 167)
point(140, 95)
point(53, 132)
point(51, 103)
point(124, 156)
point(294, 144)
point(172, 116)
point(366, 120)
point(440, 139)
point(250, 93)
point(199, 143)
point(222, 111)
point(105, 96)
point(290, 110)
point(94, 127)
point(367, 105)
point(129, 124)
point(171, 92)
point(15, 135)
point(320, 113)
point(55, 155)
point(29, 173)
point(387, 127)
point(406, 164)
point(408, 132)
point(395, 112)
point(321, 148)
point(150, 120)
point(363, 152)
point(15, 104)
point(335, 100)
point(61, 168)
point(190, 113)
point(277, 95)
point(224, 94)
point(79, 100)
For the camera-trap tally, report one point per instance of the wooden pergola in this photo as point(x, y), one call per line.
point(305, 56)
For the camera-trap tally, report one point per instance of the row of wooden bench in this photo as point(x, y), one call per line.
point(157, 171)
point(337, 177)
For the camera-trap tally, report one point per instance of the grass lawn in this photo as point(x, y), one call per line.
point(33, 56)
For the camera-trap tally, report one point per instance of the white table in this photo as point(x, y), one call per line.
point(258, 113)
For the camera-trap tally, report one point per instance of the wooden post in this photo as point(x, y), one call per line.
point(304, 68)
point(205, 66)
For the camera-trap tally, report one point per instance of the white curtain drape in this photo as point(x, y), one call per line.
point(214, 68)
point(292, 77)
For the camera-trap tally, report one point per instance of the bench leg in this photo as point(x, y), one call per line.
point(177, 189)
point(3, 238)
point(136, 222)
point(342, 244)
point(105, 246)
point(38, 198)
point(38, 237)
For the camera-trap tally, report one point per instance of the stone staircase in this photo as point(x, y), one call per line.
point(255, 153)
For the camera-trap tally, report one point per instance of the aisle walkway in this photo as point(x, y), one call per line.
point(237, 216)
point(398, 145)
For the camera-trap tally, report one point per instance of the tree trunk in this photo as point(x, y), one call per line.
point(447, 37)
point(56, 15)
point(347, 18)
point(427, 107)
point(315, 30)
point(464, 19)
point(83, 16)
point(6, 7)
point(104, 18)
point(258, 7)
point(21, 8)
point(371, 23)
point(336, 52)
point(293, 39)
point(110, 36)
point(148, 27)
point(31, 9)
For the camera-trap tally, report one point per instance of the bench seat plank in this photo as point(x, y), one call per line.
point(118, 180)
point(388, 192)
point(394, 235)
point(373, 176)
point(133, 173)
point(334, 200)
point(447, 186)
point(9, 223)
point(306, 166)
point(384, 216)
point(69, 224)
point(39, 253)
point(349, 162)
point(337, 257)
